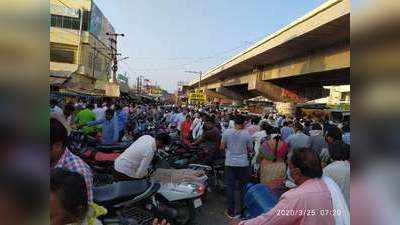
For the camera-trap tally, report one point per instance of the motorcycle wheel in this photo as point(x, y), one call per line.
point(186, 213)
point(138, 216)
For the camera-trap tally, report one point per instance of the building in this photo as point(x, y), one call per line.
point(339, 95)
point(80, 61)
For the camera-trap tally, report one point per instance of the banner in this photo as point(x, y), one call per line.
point(122, 78)
point(59, 9)
point(197, 96)
point(99, 25)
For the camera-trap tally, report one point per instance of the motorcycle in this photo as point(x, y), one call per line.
point(180, 155)
point(101, 162)
point(127, 202)
point(184, 196)
point(79, 140)
point(215, 173)
point(179, 199)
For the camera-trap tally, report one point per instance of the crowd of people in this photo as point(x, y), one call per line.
point(304, 161)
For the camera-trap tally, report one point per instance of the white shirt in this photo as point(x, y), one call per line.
point(198, 130)
point(56, 109)
point(100, 113)
point(136, 159)
point(194, 123)
point(231, 124)
point(257, 143)
point(339, 171)
point(180, 119)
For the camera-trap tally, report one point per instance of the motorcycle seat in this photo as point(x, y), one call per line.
point(112, 148)
point(106, 157)
point(119, 192)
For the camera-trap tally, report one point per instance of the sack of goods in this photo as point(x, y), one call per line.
point(178, 176)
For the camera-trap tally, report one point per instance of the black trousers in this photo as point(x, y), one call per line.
point(236, 176)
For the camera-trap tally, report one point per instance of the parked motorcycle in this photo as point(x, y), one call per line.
point(183, 196)
point(79, 140)
point(179, 199)
point(179, 155)
point(215, 173)
point(127, 202)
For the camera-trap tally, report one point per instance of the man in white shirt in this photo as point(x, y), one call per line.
point(195, 121)
point(198, 129)
point(339, 169)
point(180, 118)
point(135, 161)
point(100, 112)
point(54, 108)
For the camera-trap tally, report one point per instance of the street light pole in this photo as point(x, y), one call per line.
point(200, 73)
point(196, 72)
point(114, 53)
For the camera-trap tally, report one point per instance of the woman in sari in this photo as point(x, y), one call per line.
point(185, 131)
point(271, 157)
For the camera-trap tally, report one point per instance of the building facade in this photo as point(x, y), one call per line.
point(80, 60)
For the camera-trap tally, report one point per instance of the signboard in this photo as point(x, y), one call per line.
point(122, 78)
point(59, 9)
point(112, 90)
point(198, 96)
point(99, 25)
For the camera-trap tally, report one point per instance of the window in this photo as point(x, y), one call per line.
point(61, 55)
point(99, 64)
point(66, 22)
point(90, 61)
point(345, 96)
point(75, 24)
point(85, 20)
point(56, 21)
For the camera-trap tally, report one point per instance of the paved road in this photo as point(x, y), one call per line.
point(212, 212)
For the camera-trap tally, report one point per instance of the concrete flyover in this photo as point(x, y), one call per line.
point(292, 64)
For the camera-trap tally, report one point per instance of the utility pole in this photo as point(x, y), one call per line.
point(198, 73)
point(139, 84)
point(80, 37)
point(94, 55)
point(114, 53)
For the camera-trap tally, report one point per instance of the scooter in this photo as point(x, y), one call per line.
point(183, 197)
point(127, 202)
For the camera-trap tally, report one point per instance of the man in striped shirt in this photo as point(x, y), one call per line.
point(61, 157)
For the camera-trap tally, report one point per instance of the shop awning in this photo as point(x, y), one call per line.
point(58, 78)
point(312, 106)
point(57, 81)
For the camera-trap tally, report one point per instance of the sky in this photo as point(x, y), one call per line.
point(165, 38)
